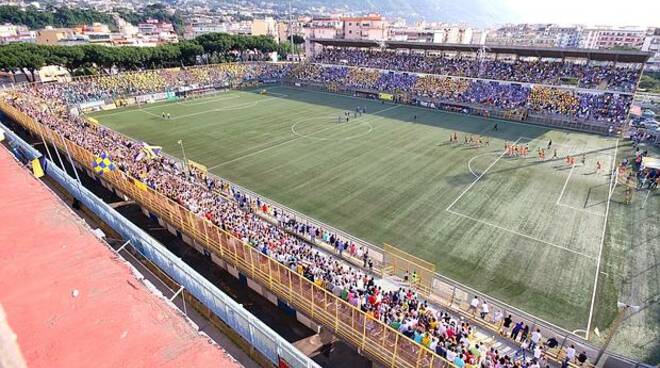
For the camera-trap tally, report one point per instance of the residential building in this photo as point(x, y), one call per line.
point(286, 28)
point(321, 28)
point(609, 37)
point(266, 26)
point(154, 27)
point(52, 36)
point(479, 36)
point(538, 35)
point(411, 34)
point(371, 27)
point(652, 44)
point(10, 33)
point(435, 34)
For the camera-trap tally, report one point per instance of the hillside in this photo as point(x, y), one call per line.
point(475, 12)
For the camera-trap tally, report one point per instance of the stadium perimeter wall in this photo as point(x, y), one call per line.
point(472, 109)
point(240, 259)
point(267, 342)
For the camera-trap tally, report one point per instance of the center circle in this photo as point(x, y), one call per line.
point(329, 128)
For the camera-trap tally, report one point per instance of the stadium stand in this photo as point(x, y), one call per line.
point(598, 107)
point(268, 230)
point(608, 77)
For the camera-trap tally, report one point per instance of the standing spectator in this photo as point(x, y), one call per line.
point(516, 330)
point(506, 327)
point(484, 310)
point(474, 305)
point(536, 337)
point(582, 358)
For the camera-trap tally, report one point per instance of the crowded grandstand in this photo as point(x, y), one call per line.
point(600, 95)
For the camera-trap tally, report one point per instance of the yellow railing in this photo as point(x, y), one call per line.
point(420, 273)
point(371, 336)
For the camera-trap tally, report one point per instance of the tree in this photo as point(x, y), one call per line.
point(298, 40)
point(216, 47)
point(34, 18)
point(650, 83)
point(190, 51)
point(71, 57)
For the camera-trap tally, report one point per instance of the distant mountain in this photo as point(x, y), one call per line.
point(473, 12)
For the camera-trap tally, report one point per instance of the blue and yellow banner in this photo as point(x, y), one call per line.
point(151, 152)
point(102, 164)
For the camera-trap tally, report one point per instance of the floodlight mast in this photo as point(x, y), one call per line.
point(481, 56)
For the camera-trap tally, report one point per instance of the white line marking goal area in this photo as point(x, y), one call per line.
point(486, 205)
point(578, 173)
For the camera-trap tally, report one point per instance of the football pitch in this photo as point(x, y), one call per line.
point(540, 235)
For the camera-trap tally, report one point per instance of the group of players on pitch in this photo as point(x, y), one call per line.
point(522, 150)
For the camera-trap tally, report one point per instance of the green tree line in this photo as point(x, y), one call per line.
point(92, 59)
point(650, 82)
point(34, 18)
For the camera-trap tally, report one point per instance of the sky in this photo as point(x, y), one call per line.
point(591, 12)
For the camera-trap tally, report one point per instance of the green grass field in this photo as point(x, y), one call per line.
point(527, 232)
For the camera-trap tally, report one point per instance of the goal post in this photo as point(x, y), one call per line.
point(398, 263)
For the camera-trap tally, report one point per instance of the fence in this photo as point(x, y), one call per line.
point(371, 336)
point(392, 348)
point(419, 272)
point(263, 338)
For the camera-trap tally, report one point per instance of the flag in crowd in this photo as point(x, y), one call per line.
point(103, 164)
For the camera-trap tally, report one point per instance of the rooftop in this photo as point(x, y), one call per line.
point(544, 52)
point(71, 301)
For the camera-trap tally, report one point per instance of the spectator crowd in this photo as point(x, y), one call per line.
point(594, 106)
point(590, 76)
point(270, 230)
point(604, 107)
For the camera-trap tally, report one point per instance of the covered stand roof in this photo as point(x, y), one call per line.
point(542, 52)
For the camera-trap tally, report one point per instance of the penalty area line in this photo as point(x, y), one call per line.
point(521, 234)
point(479, 178)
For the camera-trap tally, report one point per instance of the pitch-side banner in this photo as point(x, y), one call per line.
point(386, 96)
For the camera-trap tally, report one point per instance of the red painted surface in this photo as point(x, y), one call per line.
point(46, 252)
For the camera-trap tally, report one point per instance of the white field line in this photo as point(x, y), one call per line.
point(581, 210)
point(568, 178)
point(570, 147)
point(490, 120)
point(291, 140)
point(472, 159)
point(278, 94)
point(602, 241)
point(241, 106)
point(161, 105)
point(646, 198)
point(150, 113)
point(554, 144)
point(479, 177)
point(267, 145)
point(503, 228)
point(195, 102)
point(520, 234)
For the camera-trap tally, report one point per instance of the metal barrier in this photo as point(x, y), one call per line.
point(418, 272)
point(258, 334)
point(373, 337)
